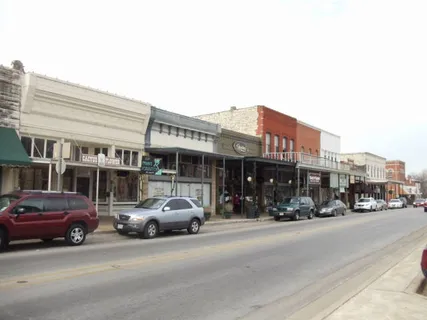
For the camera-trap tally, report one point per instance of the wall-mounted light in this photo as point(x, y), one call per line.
point(290, 181)
point(249, 179)
point(271, 180)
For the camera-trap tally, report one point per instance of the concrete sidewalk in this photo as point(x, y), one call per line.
point(393, 296)
point(106, 223)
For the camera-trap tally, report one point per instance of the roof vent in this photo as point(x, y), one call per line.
point(233, 108)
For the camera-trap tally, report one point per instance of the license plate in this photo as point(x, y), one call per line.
point(119, 226)
point(281, 213)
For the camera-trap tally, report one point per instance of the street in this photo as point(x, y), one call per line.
point(225, 272)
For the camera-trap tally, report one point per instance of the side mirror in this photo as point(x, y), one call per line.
point(166, 209)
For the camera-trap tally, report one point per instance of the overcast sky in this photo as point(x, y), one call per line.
point(356, 68)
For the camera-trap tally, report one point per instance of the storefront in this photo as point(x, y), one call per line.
point(12, 158)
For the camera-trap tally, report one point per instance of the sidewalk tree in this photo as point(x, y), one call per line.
point(422, 177)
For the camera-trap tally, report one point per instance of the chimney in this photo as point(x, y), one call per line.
point(233, 108)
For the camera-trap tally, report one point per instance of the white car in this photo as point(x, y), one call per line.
point(366, 204)
point(395, 203)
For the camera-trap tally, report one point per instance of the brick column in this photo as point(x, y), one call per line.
point(213, 188)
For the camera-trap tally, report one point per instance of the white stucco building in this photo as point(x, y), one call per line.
point(89, 122)
point(375, 168)
point(330, 146)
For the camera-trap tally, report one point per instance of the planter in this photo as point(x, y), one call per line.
point(207, 216)
point(227, 215)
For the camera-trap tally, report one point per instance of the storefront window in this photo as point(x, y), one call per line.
point(134, 159)
point(33, 178)
point(27, 142)
point(127, 186)
point(49, 148)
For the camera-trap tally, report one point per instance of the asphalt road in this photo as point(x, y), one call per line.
point(214, 275)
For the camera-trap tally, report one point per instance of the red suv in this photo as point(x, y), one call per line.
point(46, 215)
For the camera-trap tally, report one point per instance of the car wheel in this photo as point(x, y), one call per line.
point(343, 213)
point(334, 213)
point(76, 235)
point(150, 230)
point(296, 216)
point(3, 240)
point(370, 210)
point(194, 227)
point(310, 215)
point(276, 218)
point(47, 240)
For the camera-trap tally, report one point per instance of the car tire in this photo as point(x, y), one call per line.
point(194, 226)
point(334, 213)
point(276, 218)
point(296, 216)
point(343, 213)
point(47, 240)
point(370, 210)
point(310, 215)
point(76, 235)
point(151, 230)
point(4, 241)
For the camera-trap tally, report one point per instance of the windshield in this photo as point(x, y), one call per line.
point(290, 200)
point(151, 203)
point(327, 203)
point(395, 200)
point(6, 200)
point(364, 200)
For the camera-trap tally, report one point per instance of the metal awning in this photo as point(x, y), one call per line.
point(12, 152)
point(160, 150)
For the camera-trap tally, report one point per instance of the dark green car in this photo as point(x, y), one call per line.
point(294, 208)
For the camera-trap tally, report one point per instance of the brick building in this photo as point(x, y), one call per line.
point(396, 178)
point(277, 130)
point(308, 139)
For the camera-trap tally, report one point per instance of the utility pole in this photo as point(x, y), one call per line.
point(61, 145)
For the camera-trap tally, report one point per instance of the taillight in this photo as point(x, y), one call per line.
point(424, 262)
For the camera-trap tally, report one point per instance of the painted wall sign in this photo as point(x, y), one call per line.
point(240, 147)
point(150, 165)
point(314, 178)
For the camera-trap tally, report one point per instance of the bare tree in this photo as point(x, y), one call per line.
point(422, 177)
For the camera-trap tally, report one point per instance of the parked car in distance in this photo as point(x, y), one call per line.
point(45, 215)
point(381, 205)
point(424, 262)
point(395, 204)
point(419, 203)
point(294, 208)
point(404, 202)
point(331, 208)
point(153, 215)
point(365, 204)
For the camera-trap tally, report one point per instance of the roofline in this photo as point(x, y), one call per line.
point(86, 87)
point(370, 153)
point(224, 111)
point(316, 128)
point(401, 161)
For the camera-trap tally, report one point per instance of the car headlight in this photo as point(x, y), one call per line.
point(135, 219)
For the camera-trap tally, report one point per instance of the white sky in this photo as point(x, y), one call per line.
point(356, 68)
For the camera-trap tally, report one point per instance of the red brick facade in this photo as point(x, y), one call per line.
point(395, 170)
point(308, 139)
point(277, 124)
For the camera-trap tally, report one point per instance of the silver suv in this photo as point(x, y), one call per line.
point(153, 215)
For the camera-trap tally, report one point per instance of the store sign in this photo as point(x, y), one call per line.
point(103, 161)
point(343, 181)
point(150, 165)
point(240, 147)
point(314, 178)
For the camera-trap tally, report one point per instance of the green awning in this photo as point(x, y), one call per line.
point(12, 151)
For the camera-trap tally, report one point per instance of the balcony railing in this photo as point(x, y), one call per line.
point(311, 160)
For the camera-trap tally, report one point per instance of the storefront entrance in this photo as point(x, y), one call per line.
point(83, 185)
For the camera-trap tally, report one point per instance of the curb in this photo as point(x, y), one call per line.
point(208, 223)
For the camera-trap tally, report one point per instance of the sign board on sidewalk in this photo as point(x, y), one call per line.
point(314, 178)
